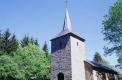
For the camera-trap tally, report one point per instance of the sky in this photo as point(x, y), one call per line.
point(43, 19)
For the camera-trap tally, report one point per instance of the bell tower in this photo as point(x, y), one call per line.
point(67, 51)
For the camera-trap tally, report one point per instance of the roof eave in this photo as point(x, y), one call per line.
point(70, 34)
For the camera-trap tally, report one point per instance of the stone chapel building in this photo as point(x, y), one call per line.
point(68, 58)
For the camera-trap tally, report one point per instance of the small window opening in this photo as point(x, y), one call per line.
point(77, 43)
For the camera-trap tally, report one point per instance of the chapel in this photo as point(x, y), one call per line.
point(68, 58)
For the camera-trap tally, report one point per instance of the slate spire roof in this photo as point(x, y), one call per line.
point(67, 23)
point(67, 27)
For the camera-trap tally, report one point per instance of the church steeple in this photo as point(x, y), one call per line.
point(67, 51)
point(67, 22)
point(67, 27)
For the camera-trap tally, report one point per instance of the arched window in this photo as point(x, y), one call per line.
point(60, 76)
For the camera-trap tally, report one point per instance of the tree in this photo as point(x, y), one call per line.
point(120, 77)
point(98, 58)
point(112, 30)
point(9, 42)
point(6, 41)
point(26, 40)
point(14, 43)
point(45, 48)
point(0, 41)
point(34, 62)
point(9, 69)
point(36, 42)
point(28, 63)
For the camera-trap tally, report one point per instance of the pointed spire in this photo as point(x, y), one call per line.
point(67, 22)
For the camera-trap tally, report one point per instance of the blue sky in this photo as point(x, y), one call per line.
point(43, 19)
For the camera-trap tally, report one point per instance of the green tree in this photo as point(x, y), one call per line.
point(112, 30)
point(14, 43)
point(0, 41)
point(45, 48)
point(9, 69)
point(26, 40)
point(97, 58)
point(34, 62)
point(9, 42)
point(120, 77)
point(27, 63)
point(6, 41)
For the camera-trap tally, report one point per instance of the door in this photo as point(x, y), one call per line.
point(60, 76)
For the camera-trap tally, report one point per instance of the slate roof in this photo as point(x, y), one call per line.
point(100, 67)
point(67, 22)
point(67, 33)
point(67, 28)
point(62, 33)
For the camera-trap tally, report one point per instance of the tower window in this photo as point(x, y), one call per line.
point(77, 43)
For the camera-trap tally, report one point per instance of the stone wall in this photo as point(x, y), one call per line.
point(61, 58)
point(68, 54)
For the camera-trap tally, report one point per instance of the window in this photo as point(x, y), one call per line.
point(77, 43)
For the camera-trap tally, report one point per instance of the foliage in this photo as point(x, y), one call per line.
point(98, 58)
point(45, 48)
point(26, 40)
point(9, 69)
point(9, 42)
point(34, 61)
point(119, 61)
point(14, 43)
point(27, 63)
point(112, 30)
point(120, 77)
point(0, 41)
